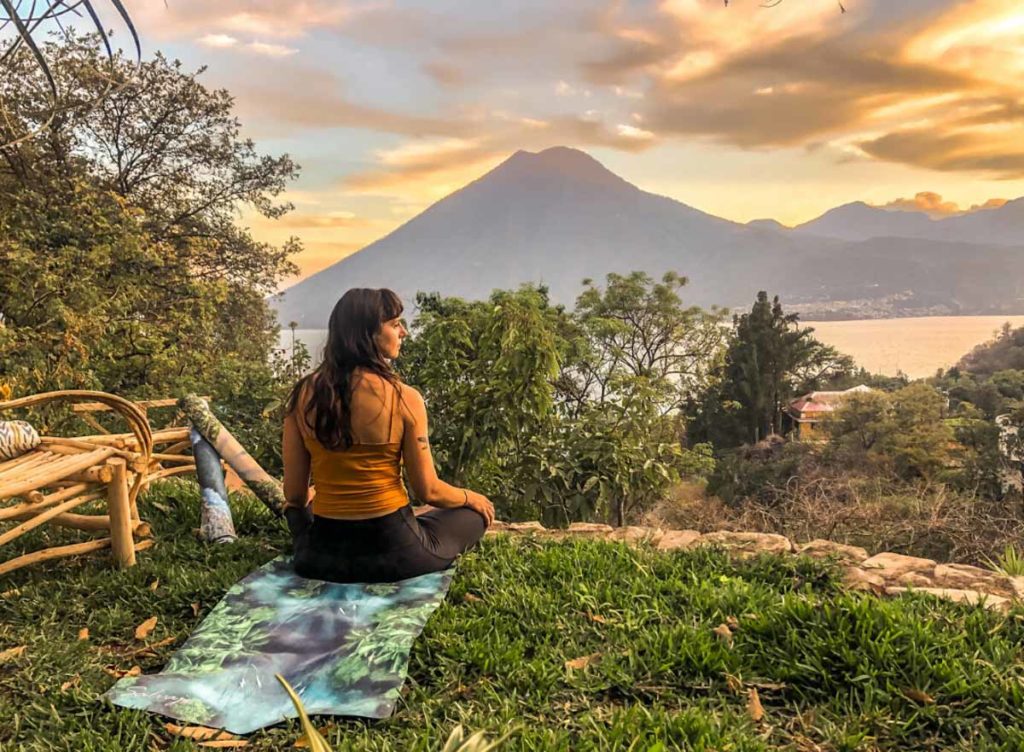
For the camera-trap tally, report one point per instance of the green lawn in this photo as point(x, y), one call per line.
point(833, 670)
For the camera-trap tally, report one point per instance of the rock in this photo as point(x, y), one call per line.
point(966, 577)
point(675, 539)
point(822, 549)
point(590, 529)
point(1017, 585)
point(970, 597)
point(856, 578)
point(635, 534)
point(912, 579)
point(748, 543)
point(497, 526)
point(893, 566)
point(526, 527)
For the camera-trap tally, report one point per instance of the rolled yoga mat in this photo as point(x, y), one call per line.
point(267, 489)
point(344, 648)
point(217, 525)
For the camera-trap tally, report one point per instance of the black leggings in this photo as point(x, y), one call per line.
point(381, 549)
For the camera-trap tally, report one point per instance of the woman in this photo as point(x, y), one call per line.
point(350, 424)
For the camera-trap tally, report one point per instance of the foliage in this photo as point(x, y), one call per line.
point(768, 361)
point(122, 267)
point(564, 416)
point(904, 431)
point(834, 670)
point(1010, 562)
point(1005, 351)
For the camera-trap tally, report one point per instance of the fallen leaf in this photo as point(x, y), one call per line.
point(225, 743)
point(922, 698)
point(199, 733)
point(83, 633)
point(142, 631)
point(118, 673)
point(154, 584)
point(10, 593)
point(722, 632)
point(582, 661)
point(303, 741)
point(162, 507)
point(597, 617)
point(470, 598)
point(733, 683)
point(754, 708)
point(732, 623)
point(72, 682)
point(195, 609)
point(12, 653)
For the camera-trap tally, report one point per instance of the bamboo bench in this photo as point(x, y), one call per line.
point(45, 484)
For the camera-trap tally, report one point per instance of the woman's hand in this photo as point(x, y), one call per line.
point(482, 505)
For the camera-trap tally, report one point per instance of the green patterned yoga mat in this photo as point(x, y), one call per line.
point(344, 648)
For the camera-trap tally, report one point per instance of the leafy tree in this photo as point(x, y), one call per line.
point(905, 431)
point(769, 359)
point(121, 264)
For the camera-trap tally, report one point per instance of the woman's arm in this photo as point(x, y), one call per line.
point(419, 463)
point(296, 464)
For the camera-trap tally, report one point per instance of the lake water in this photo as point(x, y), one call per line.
point(916, 346)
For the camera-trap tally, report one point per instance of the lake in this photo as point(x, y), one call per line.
point(916, 346)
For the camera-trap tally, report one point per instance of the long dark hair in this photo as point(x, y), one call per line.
point(355, 320)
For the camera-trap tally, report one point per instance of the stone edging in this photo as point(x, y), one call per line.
point(883, 574)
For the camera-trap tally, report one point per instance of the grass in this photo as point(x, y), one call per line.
point(833, 670)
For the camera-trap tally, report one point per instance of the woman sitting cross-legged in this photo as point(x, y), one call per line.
point(350, 425)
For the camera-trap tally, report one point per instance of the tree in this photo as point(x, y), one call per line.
point(121, 264)
point(904, 431)
point(639, 332)
point(767, 360)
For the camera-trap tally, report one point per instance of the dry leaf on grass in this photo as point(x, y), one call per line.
point(72, 682)
point(142, 631)
point(83, 633)
point(722, 632)
point(754, 708)
point(118, 673)
point(732, 623)
point(154, 584)
point(470, 598)
point(734, 683)
point(922, 698)
point(597, 617)
point(10, 593)
point(11, 653)
point(225, 743)
point(195, 609)
point(200, 733)
point(582, 661)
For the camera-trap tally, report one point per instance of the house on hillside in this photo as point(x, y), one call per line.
point(808, 412)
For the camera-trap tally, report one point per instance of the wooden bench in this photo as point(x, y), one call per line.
point(44, 485)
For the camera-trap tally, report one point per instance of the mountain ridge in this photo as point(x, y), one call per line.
point(559, 216)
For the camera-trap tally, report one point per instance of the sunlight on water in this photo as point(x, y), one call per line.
point(916, 346)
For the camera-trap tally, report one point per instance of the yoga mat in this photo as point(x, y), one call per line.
point(344, 648)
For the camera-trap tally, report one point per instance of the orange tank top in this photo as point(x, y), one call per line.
point(360, 482)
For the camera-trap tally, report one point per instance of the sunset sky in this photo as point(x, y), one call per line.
point(740, 111)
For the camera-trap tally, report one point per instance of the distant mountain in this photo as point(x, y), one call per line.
point(858, 221)
point(559, 216)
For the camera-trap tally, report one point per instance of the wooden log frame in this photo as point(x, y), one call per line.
point(63, 474)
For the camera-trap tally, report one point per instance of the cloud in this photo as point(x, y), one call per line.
point(445, 74)
point(262, 18)
point(271, 50)
point(330, 220)
point(217, 40)
point(1002, 157)
point(933, 205)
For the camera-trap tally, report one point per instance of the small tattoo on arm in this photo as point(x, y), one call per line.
point(422, 441)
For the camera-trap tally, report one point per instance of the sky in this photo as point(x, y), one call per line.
point(739, 110)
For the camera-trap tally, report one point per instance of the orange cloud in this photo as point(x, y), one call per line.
point(933, 205)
